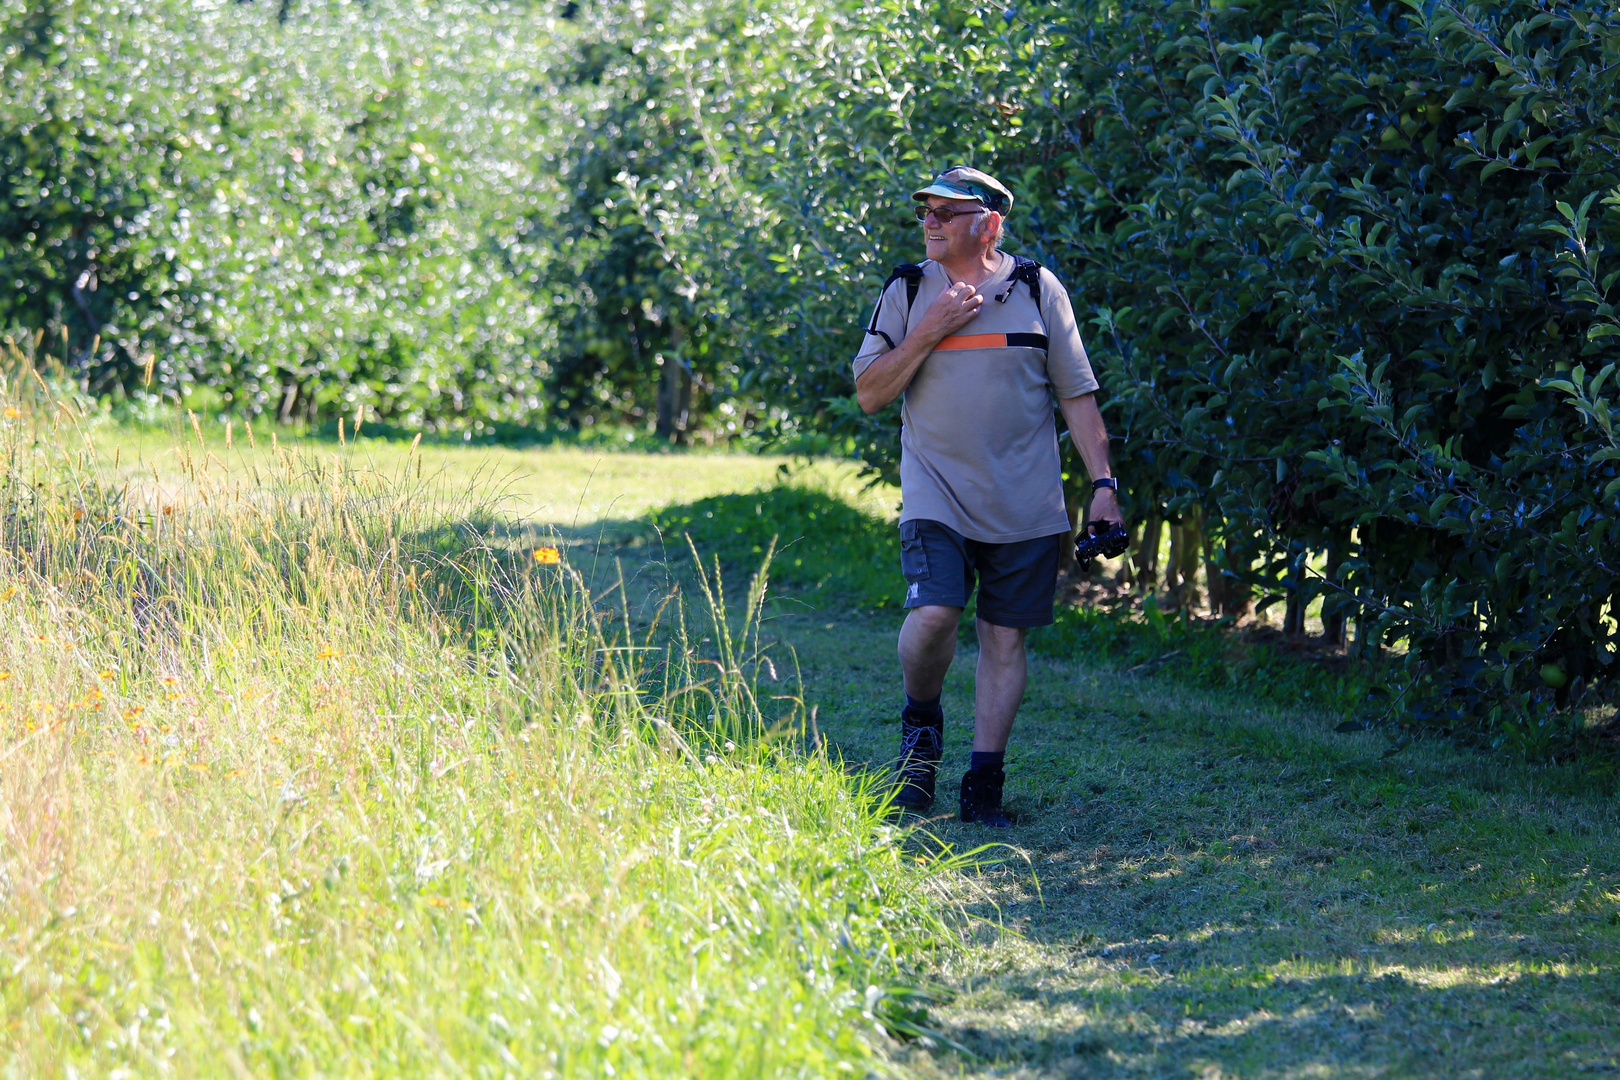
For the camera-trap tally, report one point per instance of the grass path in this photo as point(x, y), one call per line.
point(1197, 887)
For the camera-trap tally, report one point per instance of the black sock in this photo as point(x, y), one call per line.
point(990, 760)
point(925, 712)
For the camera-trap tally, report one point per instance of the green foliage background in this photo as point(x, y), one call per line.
point(1346, 268)
point(289, 210)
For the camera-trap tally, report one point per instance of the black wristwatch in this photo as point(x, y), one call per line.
point(1105, 482)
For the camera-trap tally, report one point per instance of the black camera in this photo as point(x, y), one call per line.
point(1110, 543)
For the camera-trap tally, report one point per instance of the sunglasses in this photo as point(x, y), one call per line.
point(944, 214)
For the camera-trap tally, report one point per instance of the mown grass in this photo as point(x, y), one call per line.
point(309, 767)
point(1203, 883)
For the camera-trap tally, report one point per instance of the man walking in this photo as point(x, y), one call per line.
point(978, 342)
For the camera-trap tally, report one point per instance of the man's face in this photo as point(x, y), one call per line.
point(956, 238)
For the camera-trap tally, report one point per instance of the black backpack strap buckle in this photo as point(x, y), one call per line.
point(1029, 272)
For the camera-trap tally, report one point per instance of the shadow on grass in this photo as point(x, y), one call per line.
point(823, 551)
point(1339, 1025)
point(1219, 887)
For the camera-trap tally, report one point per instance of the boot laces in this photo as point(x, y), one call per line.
point(919, 749)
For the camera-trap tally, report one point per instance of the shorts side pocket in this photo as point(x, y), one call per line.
point(913, 556)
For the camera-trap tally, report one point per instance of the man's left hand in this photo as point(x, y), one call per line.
point(1105, 507)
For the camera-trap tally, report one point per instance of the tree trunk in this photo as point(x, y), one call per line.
point(674, 390)
point(1216, 582)
point(1146, 555)
point(289, 402)
point(1128, 572)
point(1181, 576)
point(1294, 612)
point(1235, 559)
point(1333, 604)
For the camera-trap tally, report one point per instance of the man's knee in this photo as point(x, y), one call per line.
point(934, 620)
point(1001, 640)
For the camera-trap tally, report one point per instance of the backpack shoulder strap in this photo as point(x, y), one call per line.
point(1029, 272)
point(912, 275)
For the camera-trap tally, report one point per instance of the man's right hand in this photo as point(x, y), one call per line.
point(951, 310)
point(886, 377)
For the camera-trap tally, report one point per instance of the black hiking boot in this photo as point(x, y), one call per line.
point(921, 746)
point(981, 798)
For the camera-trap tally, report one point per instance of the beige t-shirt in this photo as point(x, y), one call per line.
point(978, 449)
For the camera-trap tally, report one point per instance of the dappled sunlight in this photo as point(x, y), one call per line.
point(1201, 885)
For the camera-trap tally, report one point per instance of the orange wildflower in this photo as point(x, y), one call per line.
point(547, 556)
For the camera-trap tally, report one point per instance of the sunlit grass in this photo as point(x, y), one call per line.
point(311, 766)
point(575, 489)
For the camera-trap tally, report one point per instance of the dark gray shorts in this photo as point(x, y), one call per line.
point(1017, 582)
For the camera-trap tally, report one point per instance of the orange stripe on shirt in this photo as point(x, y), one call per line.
point(973, 341)
point(994, 341)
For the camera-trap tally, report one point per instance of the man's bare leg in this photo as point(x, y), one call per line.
point(927, 646)
point(998, 686)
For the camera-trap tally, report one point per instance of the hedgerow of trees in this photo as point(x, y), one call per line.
point(1346, 269)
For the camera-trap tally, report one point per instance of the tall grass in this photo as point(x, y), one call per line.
point(306, 770)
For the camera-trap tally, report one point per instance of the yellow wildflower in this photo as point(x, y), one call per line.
point(547, 556)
